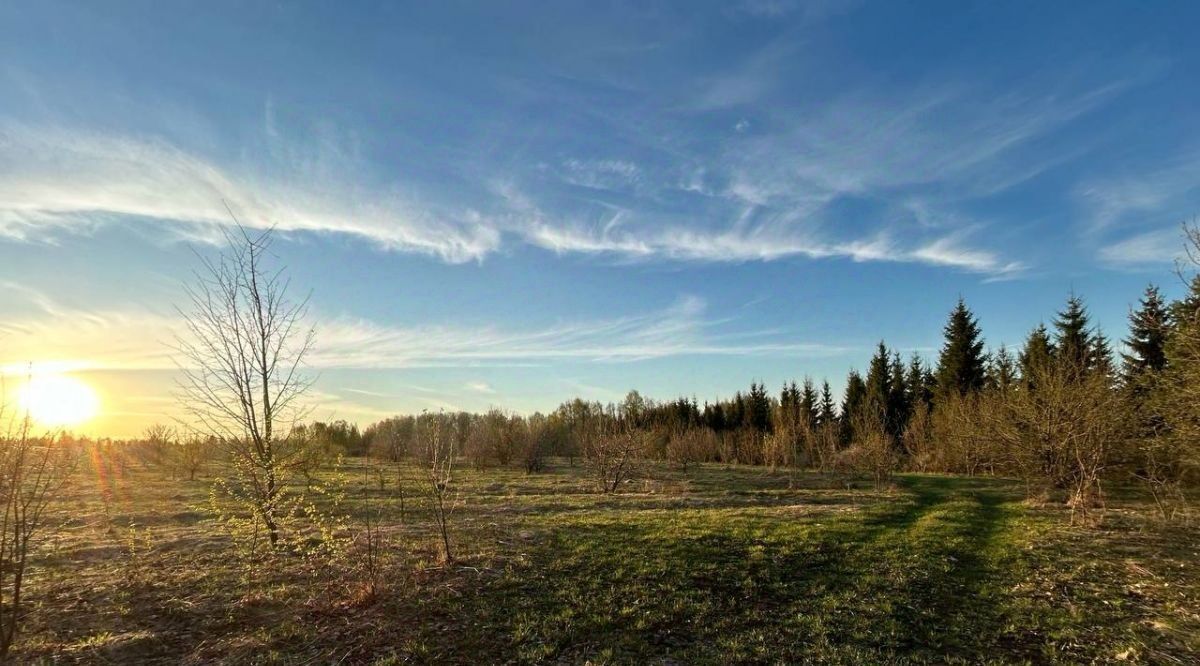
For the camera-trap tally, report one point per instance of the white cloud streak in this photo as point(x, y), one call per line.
point(918, 155)
point(1152, 204)
point(1132, 199)
point(1153, 247)
point(762, 243)
point(66, 340)
point(61, 179)
point(679, 330)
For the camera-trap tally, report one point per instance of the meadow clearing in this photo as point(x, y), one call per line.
point(721, 564)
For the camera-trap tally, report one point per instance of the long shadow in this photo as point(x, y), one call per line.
point(701, 593)
point(939, 580)
point(949, 608)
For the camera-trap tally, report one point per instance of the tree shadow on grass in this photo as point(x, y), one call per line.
point(905, 580)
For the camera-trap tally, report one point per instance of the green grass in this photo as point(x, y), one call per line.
point(722, 565)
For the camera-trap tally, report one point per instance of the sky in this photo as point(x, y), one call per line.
point(511, 204)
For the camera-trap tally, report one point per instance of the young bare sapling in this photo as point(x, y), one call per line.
point(241, 362)
point(438, 450)
point(33, 474)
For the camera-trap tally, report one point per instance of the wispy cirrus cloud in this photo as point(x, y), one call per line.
point(679, 330)
point(63, 339)
point(744, 241)
point(480, 387)
point(765, 244)
point(1131, 198)
point(876, 144)
point(918, 157)
point(601, 174)
point(1159, 246)
point(1143, 210)
point(53, 178)
point(946, 252)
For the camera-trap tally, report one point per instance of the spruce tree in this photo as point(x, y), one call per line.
point(1002, 371)
point(852, 404)
point(1146, 344)
point(899, 409)
point(828, 412)
point(917, 383)
point(714, 416)
point(961, 364)
point(789, 404)
point(1037, 355)
point(808, 403)
point(759, 408)
point(736, 416)
point(1100, 357)
point(878, 383)
point(1073, 341)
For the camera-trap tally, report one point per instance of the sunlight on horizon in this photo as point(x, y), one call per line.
point(56, 400)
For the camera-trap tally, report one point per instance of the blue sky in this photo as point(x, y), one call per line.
point(513, 203)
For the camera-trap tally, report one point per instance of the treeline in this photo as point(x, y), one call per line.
point(1061, 412)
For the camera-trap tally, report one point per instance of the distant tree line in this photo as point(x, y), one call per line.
point(1062, 412)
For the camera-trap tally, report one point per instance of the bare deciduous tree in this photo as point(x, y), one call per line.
point(918, 441)
point(438, 452)
point(873, 451)
point(690, 446)
point(242, 366)
point(192, 453)
point(390, 442)
point(33, 473)
point(158, 440)
point(826, 442)
point(961, 441)
point(610, 450)
point(537, 435)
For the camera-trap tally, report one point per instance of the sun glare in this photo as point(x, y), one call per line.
point(58, 401)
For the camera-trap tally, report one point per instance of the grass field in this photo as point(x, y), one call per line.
point(720, 565)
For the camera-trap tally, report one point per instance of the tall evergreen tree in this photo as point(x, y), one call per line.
point(852, 404)
point(759, 408)
point(878, 383)
point(828, 412)
point(1037, 355)
point(918, 383)
point(1146, 344)
point(1100, 356)
point(961, 363)
point(1002, 369)
point(714, 416)
point(898, 406)
point(808, 403)
point(736, 415)
point(1073, 341)
point(789, 405)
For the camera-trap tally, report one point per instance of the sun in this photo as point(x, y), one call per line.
point(58, 400)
